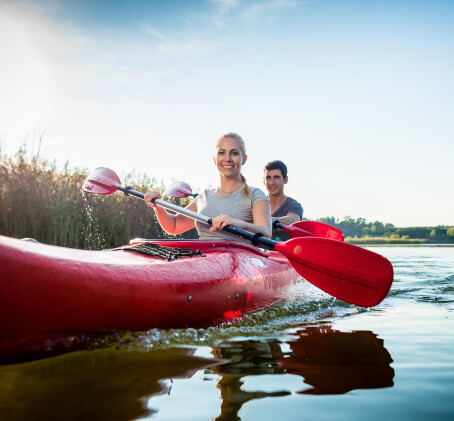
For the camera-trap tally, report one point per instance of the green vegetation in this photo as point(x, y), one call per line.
point(450, 233)
point(39, 201)
point(359, 231)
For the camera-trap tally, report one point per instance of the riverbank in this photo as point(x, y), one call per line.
point(385, 240)
point(362, 241)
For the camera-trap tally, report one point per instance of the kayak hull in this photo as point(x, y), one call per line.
point(46, 289)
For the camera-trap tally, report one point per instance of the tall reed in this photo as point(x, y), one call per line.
point(39, 201)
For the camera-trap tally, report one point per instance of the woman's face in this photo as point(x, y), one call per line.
point(229, 158)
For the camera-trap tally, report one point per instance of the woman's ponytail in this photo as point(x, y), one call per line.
point(247, 192)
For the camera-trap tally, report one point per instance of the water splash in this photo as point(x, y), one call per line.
point(93, 238)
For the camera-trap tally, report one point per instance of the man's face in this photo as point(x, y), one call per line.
point(274, 182)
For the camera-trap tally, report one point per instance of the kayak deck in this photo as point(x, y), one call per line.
point(46, 289)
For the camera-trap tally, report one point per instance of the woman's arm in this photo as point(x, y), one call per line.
point(261, 214)
point(172, 224)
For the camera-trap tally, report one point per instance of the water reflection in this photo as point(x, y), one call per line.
point(329, 362)
point(95, 385)
point(333, 362)
point(247, 358)
point(121, 385)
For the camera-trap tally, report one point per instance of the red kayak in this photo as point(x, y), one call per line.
point(47, 289)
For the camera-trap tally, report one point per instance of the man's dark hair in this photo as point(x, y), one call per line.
point(276, 165)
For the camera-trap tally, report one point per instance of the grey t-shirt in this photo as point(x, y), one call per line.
point(289, 206)
point(236, 205)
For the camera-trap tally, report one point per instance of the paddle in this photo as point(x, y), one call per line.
point(179, 190)
point(311, 229)
point(350, 273)
point(297, 229)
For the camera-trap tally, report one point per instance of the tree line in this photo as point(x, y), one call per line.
point(361, 231)
point(39, 201)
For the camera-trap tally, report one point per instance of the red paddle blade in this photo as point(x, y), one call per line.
point(179, 190)
point(313, 228)
point(350, 273)
point(101, 181)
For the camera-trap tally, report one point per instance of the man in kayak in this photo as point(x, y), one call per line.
point(232, 203)
point(284, 209)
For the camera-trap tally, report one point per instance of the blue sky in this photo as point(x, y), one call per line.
point(357, 97)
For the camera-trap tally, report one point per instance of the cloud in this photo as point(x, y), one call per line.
point(225, 5)
point(263, 8)
point(126, 75)
point(249, 10)
point(154, 32)
point(223, 8)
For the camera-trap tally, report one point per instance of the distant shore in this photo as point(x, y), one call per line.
point(383, 240)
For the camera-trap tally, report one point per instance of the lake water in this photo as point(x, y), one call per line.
point(311, 358)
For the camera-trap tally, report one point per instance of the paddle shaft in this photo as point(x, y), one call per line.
point(257, 240)
point(277, 224)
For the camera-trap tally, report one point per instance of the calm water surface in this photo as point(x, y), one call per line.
point(312, 358)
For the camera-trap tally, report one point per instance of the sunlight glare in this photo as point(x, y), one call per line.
point(24, 81)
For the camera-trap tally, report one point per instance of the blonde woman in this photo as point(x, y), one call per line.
point(232, 203)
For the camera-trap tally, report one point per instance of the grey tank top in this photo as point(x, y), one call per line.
point(236, 205)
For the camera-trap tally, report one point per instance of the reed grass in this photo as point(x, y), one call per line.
point(39, 201)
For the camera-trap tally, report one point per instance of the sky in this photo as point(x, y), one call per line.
point(356, 97)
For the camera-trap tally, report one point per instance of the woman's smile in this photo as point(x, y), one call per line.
point(229, 158)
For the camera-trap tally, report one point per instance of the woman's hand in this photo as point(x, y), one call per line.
point(221, 221)
point(149, 196)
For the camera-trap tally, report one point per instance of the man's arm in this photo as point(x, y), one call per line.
point(294, 213)
point(288, 219)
